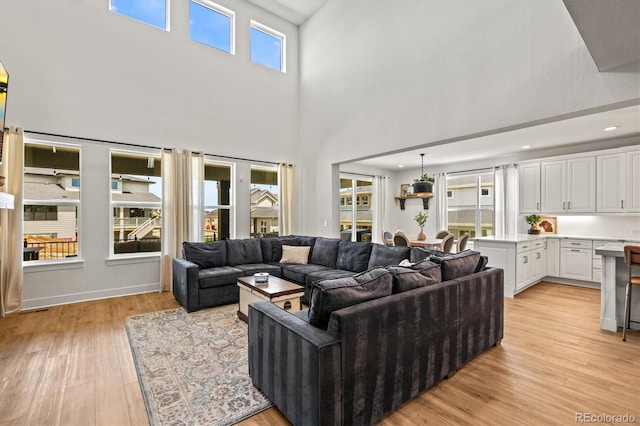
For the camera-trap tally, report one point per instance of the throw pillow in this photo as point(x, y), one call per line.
point(330, 295)
point(457, 265)
point(295, 254)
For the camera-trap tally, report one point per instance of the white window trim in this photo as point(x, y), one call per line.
point(167, 20)
point(226, 12)
point(283, 38)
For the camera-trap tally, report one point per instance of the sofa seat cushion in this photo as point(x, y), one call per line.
point(353, 256)
point(331, 295)
point(206, 255)
point(457, 265)
point(240, 252)
point(420, 275)
point(386, 256)
point(222, 275)
point(252, 268)
point(298, 273)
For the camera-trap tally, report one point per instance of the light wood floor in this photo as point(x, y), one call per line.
point(71, 365)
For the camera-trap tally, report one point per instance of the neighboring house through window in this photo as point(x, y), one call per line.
point(136, 204)
point(51, 201)
point(356, 220)
point(471, 211)
point(265, 201)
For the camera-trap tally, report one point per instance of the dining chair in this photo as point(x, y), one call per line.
point(447, 243)
point(441, 234)
point(387, 238)
point(462, 243)
point(631, 258)
point(400, 239)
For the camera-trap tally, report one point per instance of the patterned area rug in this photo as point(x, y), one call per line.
point(193, 367)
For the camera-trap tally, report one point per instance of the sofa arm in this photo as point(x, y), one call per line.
point(185, 283)
point(296, 365)
point(481, 301)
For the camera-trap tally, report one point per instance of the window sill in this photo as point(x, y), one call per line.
point(51, 265)
point(123, 259)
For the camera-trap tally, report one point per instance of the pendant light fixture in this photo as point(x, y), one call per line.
point(423, 184)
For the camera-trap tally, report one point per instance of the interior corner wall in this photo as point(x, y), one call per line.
point(78, 69)
point(385, 75)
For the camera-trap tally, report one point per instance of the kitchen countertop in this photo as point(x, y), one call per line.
point(521, 238)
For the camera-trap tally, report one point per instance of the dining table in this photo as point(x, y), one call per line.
point(429, 242)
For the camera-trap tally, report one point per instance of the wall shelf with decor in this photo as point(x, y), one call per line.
point(425, 197)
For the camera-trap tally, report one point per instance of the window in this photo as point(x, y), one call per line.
point(51, 202)
point(449, 194)
point(137, 207)
point(40, 213)
point(265, 201)
point(152, 12)
point(212, 25)
point(356, 220)
point(268, 47)
point(472, 210)
point(217, 201)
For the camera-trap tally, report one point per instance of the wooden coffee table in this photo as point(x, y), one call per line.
point(280, 292)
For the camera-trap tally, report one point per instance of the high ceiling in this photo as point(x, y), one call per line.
point(612, 35)
point(295, 11)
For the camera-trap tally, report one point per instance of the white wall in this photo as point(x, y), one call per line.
point(78, 69)
point(383, 75)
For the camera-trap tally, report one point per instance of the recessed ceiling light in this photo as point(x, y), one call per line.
point(401, 165)
point(610, 128)
point(526, 146)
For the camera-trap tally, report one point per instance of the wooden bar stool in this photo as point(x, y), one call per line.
point(631, 258)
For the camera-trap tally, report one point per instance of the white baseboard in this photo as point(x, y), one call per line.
point(44, 302)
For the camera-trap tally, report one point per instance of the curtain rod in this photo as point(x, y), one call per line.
point(226, 157)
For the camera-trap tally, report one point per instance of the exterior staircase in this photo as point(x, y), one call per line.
point(143, 229)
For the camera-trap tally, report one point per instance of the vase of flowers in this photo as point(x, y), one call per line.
point(421, 219)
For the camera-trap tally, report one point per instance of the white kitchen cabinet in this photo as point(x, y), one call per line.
point(576, 257)
point(633, 182)
point(611, 182)
point(553, 257)
point(529, 187)
point(568, 186)
point(523, 262)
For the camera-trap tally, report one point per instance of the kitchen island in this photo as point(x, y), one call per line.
point(612, 289)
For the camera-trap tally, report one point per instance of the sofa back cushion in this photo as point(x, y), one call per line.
point(206, 255)
point(418, 254)
point(353, 256)
point(244, 251)
point(419, 275)
point(325, 252)
point(457, 265)
point(386, 255)
point(330, 295)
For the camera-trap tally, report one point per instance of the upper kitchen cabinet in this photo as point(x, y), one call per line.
point(618, 182)
point(529, 187)
point(568, 186)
